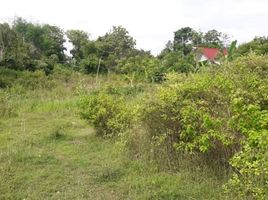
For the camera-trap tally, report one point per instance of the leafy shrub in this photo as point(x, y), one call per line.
point(252, 164)
point(141, 67)
point(189, 117)
point(8, 77)
point(250, 117)
point(219, 114)
point(109, 114)
point(89, 65)
point(61, 73)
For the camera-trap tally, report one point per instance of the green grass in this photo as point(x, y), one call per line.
point(48, 152)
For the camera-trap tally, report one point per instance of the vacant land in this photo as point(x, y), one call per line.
point(48, 152)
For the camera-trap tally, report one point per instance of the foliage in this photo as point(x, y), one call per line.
point(185, 38)
point(251, 119)
point(218, 114)
point(45, 40)
point(115, 45)
point(90, 64)
point(140, 67)
point(109, 115)
point(180, 55)
point(214, 39)
point(258, 45)
point(231, 51)
point(177, 62)
point(48, 152)
point(31, 46)
point(117, 42)
point(189, 116)
point(78, 39)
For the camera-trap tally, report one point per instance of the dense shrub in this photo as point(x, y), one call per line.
point(192, 116)
point(7, 77)
point(250, 106)
point(219, 114)
point(107, 113)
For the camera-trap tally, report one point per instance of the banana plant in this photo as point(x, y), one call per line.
point(231, 50)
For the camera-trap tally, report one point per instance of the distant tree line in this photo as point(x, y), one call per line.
point(28, 46)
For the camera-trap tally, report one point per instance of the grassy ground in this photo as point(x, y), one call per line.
point(47, 152)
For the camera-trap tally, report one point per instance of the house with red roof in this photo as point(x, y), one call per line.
point(210, 54)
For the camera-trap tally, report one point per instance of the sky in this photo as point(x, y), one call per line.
point(151, 22)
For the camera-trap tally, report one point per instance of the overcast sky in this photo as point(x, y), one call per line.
point(150, 22)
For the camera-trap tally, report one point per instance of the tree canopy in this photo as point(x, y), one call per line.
point(30, 46)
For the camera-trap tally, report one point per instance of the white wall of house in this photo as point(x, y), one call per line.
point(203, 58)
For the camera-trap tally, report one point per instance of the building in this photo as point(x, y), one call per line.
point(206, 54)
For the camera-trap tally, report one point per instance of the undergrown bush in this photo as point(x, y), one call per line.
point(218, 115)
point(250, 105)
point(190, 117)
point(107, 113)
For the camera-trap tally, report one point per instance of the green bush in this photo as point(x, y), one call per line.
point(250, 117)
point(219, 115)
point(108, 114)
point(190, 116)
point(252, 165)
point(61, 73)
point(8, 77)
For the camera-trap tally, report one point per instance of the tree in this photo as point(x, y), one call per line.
point(52, 42)
point(117, 40)
point(141, 66)
point(78, 39)
point(258, 45)
point(213, 39)
point(116, 45)
point(168, 48)
point(7, 37)
point(45, 40)
point(14, 53)
point(178, 62)
point(185, 38)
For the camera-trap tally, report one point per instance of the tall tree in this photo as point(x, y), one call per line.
point(53, 42)
point(13, 52)
point(213, 38)
point(117, 42)
point(46, 40)
point(185, 38)
point(115, 45)
point(78, 39)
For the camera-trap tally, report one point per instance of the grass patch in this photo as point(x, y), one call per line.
point(48, 152)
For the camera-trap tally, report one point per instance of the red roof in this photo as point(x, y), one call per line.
point(211, 53)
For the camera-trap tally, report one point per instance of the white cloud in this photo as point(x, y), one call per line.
point(150, 22)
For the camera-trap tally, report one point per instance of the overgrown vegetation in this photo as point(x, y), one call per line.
point(165, 127)
point(216, 118)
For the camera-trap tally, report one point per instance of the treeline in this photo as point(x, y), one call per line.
point(28, 46)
